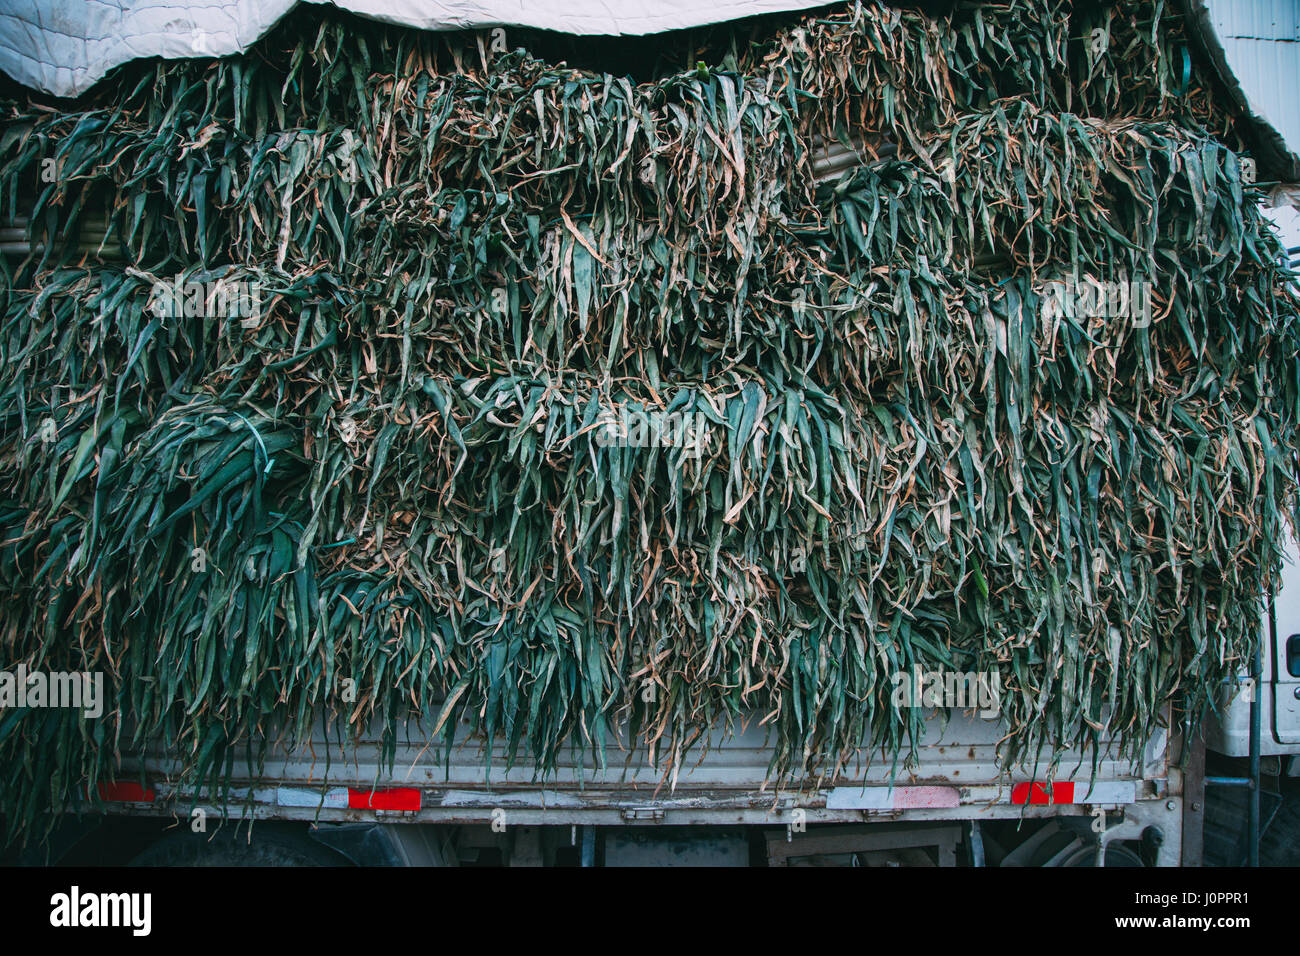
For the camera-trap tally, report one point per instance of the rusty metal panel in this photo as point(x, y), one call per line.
point(957, 775)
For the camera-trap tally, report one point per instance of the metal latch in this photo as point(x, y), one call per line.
point(643, 813)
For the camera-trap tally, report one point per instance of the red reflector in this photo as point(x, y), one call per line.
point(1039, 793)
point(402, 798)
point(125, 793)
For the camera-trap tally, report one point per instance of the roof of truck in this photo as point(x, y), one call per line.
point(1255, 48)
point(64, 47)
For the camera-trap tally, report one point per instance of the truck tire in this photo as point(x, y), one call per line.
point(232, 847)
point(1117, 854)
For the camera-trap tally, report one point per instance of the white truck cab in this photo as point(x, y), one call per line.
point(1228, 732)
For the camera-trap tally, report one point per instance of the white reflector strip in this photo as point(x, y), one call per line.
point(1124, 791)
point(899, 798)
point(336, 798)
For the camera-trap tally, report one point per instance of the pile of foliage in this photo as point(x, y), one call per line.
point(390, 473)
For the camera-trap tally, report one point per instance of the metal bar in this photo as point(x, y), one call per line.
point(1256, 722)
point(976, 844)
point(1193, 786)
point(1229, 782)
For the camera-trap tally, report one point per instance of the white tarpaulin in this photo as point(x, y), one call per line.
point(64, 46)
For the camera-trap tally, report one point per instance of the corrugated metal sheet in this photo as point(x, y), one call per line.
point(1260, 41)
point(1257, 19)
point(1287, 219)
